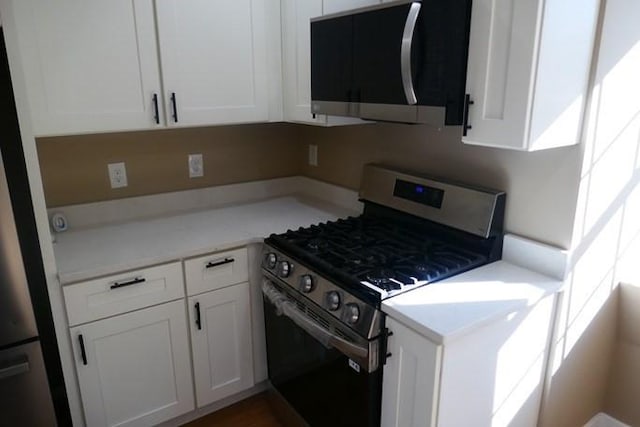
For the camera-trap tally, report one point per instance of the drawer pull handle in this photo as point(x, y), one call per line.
point(175, 107)
point(83, 351)
point(212, 264)
point(198, 320)
point(156, 111)
point(135, 281)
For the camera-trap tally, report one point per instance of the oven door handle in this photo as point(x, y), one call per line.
point(287, 308)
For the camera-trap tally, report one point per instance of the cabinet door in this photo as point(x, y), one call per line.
point(411, 379)
point(334, 6)
point(528, 71)
point(90, 65)
point(136, 368)
point(214, 60)
point(296, 59)
point(499, 70)
point(221, 340)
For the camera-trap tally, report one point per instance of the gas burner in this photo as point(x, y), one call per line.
point(357, 260)
point(419, 272)
point(422, 268)
point(317, 244)
point(383, 278)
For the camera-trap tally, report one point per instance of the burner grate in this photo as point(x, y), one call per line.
point(386, 254)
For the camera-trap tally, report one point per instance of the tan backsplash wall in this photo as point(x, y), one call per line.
point(74, 168)
point(541, 186)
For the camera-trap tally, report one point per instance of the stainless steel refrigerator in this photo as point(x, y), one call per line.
point(32, 389)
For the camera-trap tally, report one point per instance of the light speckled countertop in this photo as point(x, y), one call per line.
point(107, 249)
point(454, 307)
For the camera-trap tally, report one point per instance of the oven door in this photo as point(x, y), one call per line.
point(320, 370)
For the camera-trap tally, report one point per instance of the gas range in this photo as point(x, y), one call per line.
point(324, 285)
point(414, 231)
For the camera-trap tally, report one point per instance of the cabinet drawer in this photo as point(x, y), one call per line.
point(216, 271)
point(107, 296)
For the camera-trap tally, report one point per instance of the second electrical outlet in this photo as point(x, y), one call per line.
point(196, 166)
point(117, 175)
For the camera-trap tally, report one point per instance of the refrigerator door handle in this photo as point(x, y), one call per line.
point(18, 368)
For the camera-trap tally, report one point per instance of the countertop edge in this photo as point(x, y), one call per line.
point(72, 278)
point(548, 286)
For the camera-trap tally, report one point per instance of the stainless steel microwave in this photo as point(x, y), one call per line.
point(403, 61)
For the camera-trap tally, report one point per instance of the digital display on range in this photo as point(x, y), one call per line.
point(425, 195)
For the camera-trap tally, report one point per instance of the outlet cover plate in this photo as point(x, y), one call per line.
point(117, 175)
point(313, 155)
point(196, 166)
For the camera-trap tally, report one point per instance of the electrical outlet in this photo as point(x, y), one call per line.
point(313, 155)
point(117, 175)
point(196, 166)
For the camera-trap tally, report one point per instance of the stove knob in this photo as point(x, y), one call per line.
point(352, 313)
point(284, 269)
point(270, 260)
point(306, 283)
point(333, 300)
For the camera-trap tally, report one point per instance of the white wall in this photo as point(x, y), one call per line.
point(607, 222)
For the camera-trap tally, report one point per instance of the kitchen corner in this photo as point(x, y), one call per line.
point(126, 238)
point(190, 199)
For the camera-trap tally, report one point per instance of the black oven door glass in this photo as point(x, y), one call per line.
point(317, 382)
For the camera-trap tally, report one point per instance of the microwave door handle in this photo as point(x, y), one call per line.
point(405, 53)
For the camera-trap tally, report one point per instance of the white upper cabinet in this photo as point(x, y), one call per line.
point(528, 72)
point(296, 57)
point(335, 6)
point(94, 66)
point(90, 65)
point(214, 61)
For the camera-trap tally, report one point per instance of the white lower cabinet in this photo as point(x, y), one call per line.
point(411, 379)
point(221, 342)
point(491, 376)
point(135, 369)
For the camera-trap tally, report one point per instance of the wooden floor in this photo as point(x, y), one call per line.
point(251, 412)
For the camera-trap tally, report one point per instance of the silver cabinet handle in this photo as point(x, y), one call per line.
point(405, 53)
point(21, 367)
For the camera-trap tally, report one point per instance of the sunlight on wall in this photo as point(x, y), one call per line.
point(608, 207)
